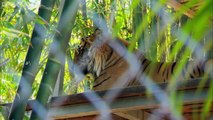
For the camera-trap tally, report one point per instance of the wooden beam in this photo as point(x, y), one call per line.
point(134, 99)
point(119, 105)
point(128, 115)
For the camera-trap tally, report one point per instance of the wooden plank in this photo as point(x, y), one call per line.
point(150, 116)
point(120, 105)
point(127, 115)
point(88, 109)
point(125, 92)
point(92, 117)
point(132, 115)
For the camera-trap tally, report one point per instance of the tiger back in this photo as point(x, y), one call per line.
point(97, 55)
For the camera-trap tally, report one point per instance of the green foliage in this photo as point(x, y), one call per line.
point(14, 40)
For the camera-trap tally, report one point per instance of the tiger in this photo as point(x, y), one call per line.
point(96, 55)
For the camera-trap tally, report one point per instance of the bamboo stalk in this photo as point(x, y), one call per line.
point(138, 14)
point(31, 62)
point(55, 58)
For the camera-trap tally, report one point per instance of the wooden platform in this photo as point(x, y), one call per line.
point(132, 99)
point(128, 101)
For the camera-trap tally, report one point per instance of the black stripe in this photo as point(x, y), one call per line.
point(132, 82)
point(199, 71)
point(100, 75)
point(110, 55)
point(191, 76)
point(110, 61)
point(167, 75)
point(202, 65)
point(194, 70)
point(173, 67)
point(83, 48)
point(160, 67)
point(113, 63)
point(100, 82)
point(144, 60)
point(146, 66)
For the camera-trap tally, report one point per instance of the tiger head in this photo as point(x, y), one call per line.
point(93, 52)
point(81, 58)
point(84, 54)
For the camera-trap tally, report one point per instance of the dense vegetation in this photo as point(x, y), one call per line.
point(171, 35)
